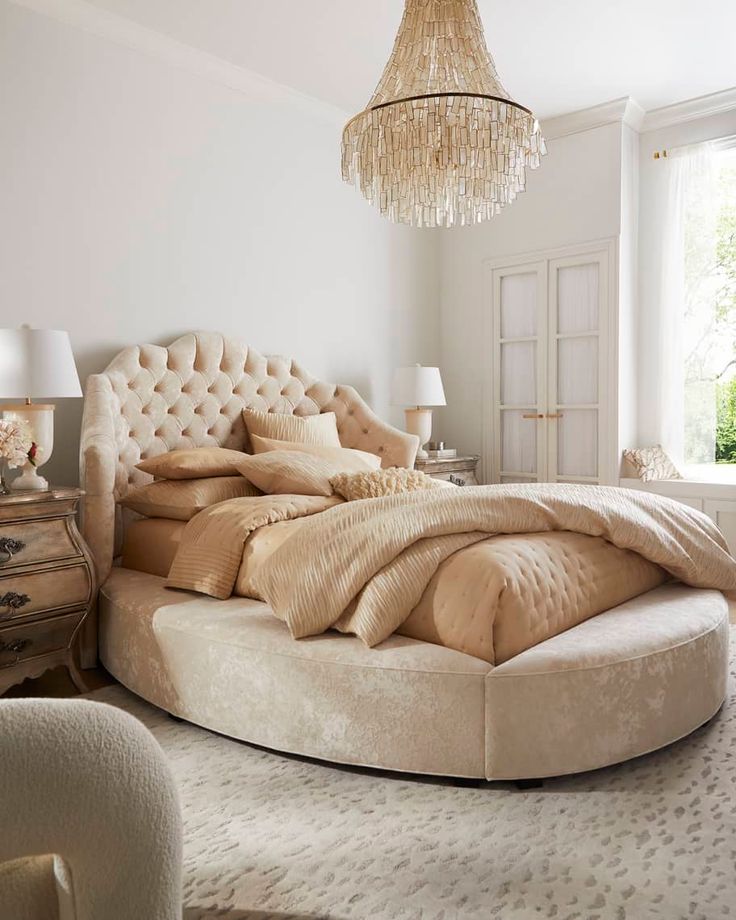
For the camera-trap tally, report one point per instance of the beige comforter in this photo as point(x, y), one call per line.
point(363, 567)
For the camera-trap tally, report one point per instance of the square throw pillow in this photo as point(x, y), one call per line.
point(377, 483)
point(318, 429)
point(192, 463)
point(181, 499)
point(263, 445)
point(652, 463)
point(295, 472)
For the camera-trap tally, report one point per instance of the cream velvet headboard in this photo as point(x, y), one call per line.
point(151, 399)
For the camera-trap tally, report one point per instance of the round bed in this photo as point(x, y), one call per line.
point(620, 684)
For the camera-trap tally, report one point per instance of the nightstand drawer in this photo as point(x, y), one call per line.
point(18, 643)
point(29, 542)
point(464, 477)
point(22, 595)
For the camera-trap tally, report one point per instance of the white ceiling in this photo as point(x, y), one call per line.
point(554, 56)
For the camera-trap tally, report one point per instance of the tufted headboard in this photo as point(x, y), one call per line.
point(151, 399)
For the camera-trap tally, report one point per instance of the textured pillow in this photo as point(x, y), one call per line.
point(295, 472)
point(182, 499)
point(651, 463)
point(377, 483)
point(263, 445)
point(306, 429)
point(194, 463)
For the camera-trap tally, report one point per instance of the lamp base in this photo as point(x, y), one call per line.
point(29, 481)
point(39, 418)
point(419, 422)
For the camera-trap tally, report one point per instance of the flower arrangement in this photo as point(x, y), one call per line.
point(16, 446)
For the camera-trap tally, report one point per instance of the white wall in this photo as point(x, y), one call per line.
point(140, 201)
point(574, 197)
point(652, 189)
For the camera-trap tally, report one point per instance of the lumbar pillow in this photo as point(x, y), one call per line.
point(652, 463)
point(192, 463)
point(263, 445)
point(297, 472)
point(306, 429)
point(377, 483)
point(182, 499)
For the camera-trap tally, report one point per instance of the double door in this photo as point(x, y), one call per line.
point(551, 389)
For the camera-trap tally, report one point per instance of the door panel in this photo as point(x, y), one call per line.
point(518, 441)
point(577, 297)
point(518, 373)
point(577, 443)
point(577, 371)
point(518, 305)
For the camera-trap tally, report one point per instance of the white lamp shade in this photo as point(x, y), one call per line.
point(417, 386)
point(37, 363)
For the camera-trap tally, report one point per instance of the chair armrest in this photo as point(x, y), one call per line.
point(88, 782)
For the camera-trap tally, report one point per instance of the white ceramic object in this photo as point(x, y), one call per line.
point(40, 421)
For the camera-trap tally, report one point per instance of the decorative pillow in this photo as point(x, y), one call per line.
point(652, 463)
point(182, 499)
point(264, 445)
point(295, 472)
point(306, 429)
point(377, 483)
point(192, 463)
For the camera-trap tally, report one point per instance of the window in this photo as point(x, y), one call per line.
point(709, 301)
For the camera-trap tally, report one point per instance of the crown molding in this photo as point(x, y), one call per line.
point(690, 109)
point(618, 111)
point(104, 24)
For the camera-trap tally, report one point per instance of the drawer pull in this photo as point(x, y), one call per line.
point(457, 480)
point(8, 548)
point(15, 645)
point(13, 601)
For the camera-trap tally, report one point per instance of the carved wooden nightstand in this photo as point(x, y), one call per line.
point(460, 470)
point(47, 584)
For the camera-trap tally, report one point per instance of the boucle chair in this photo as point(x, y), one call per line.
point(89, 816)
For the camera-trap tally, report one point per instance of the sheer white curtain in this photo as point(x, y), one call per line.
point(684, 388)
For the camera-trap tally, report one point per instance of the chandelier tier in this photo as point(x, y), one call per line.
point(441, 142)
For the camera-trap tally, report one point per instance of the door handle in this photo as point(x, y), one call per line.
point(553, 415)
point(532, 415)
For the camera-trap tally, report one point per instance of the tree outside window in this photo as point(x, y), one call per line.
point(710, 316)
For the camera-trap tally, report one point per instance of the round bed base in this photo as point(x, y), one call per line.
point(619, 685)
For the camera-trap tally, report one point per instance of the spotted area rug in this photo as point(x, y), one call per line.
point(273, 836)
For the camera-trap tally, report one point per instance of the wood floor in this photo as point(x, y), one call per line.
point(57, 683)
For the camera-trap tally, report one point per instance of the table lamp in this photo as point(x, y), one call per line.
point(36, 363)
point(419, 387)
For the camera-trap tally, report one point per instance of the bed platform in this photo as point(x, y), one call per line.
point(625, 682)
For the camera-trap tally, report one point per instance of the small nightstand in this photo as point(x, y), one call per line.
point(460, 470)
point(47, 584)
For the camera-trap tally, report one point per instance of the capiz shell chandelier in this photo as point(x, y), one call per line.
point(441, 142)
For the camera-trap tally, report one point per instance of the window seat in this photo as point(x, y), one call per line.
point(716, 497)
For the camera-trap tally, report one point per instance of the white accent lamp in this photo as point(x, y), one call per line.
point(36, 363)
point(420, 387)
